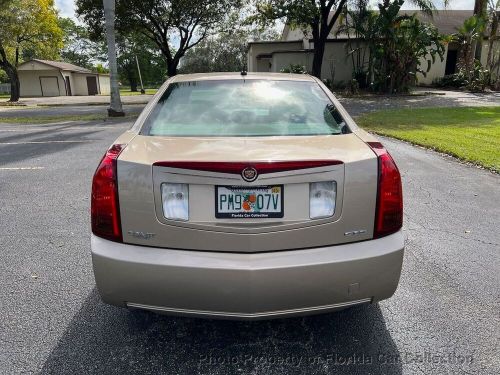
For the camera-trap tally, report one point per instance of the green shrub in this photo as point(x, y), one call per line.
point(456, 80)
point(295, 68)
point(474, 80)
point(352, 87)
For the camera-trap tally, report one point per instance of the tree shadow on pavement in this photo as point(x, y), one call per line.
point(11, 153)
point(109, 340)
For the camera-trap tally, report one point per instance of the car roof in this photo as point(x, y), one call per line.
point(238, 75)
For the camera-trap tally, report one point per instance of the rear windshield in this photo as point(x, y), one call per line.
point(234, 108)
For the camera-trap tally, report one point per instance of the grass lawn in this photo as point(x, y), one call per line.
point(127, 92)
point(468, 133)
point(61, 118)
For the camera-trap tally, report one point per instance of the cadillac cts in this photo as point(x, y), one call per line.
point(246, 196)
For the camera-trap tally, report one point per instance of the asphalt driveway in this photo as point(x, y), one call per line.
point(444, 318)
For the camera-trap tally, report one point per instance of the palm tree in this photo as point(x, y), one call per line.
point(469, 36)
point(115, 106)
point(390, 67)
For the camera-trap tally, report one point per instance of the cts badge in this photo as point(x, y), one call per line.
point(141, 235)
point(355, 232)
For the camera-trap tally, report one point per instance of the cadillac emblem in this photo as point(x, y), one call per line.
point(249, 174)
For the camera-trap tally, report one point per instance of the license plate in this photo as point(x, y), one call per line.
point(259, 202)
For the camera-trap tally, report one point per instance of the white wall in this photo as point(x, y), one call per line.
point(282, 60)
point(256, 49)
point(336, 56)
point(71, 82)
point(80, 85)
point(264, 65)
point(104, 84)
point(437, 70)
point(484, 55)
point(297, 34)
point(30, 81)
point(336, 62)
point(283, 56)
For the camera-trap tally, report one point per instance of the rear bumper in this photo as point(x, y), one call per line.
point(247, 286)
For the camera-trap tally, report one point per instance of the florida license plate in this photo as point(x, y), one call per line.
point(259, 202)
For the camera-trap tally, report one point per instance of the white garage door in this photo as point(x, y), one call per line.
point(50, 86)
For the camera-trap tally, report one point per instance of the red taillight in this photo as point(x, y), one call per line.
point(105, 211)
point(389, 212)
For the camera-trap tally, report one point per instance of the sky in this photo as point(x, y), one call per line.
point(67, 7)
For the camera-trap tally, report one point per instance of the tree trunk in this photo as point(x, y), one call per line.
point(319, 52)
point(115, 106)
point(11, 70)
point(172, 67)
point(132, 80)
point(319, 48)
point(15, 87)
point(321, 28)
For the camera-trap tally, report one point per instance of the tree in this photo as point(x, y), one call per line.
point(225, 52)
point(318, 17)
point(468, 36)
point(175, 26)
point(27, 26)
point(398, 46)
point(402, 42)
point(151, 62)
point(78, 48)
point(307, 15)
point(115, 108)
point(360, 26)
point(398, 56)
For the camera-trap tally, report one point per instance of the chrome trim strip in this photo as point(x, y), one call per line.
point(223, 314)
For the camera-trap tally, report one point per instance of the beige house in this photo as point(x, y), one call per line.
point(296, 47)
point(55, 78)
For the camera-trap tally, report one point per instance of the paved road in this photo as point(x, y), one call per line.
point(72, 110)
point(444, 318)
point(81, 100)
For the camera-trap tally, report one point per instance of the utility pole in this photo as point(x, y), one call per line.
point(115, 106)
point(140, 76)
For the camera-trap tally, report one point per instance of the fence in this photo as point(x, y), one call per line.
point(4, 88)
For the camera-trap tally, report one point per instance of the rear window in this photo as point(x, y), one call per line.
point(234, 108)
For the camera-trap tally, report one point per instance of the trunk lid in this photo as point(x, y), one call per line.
point(143, 222)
